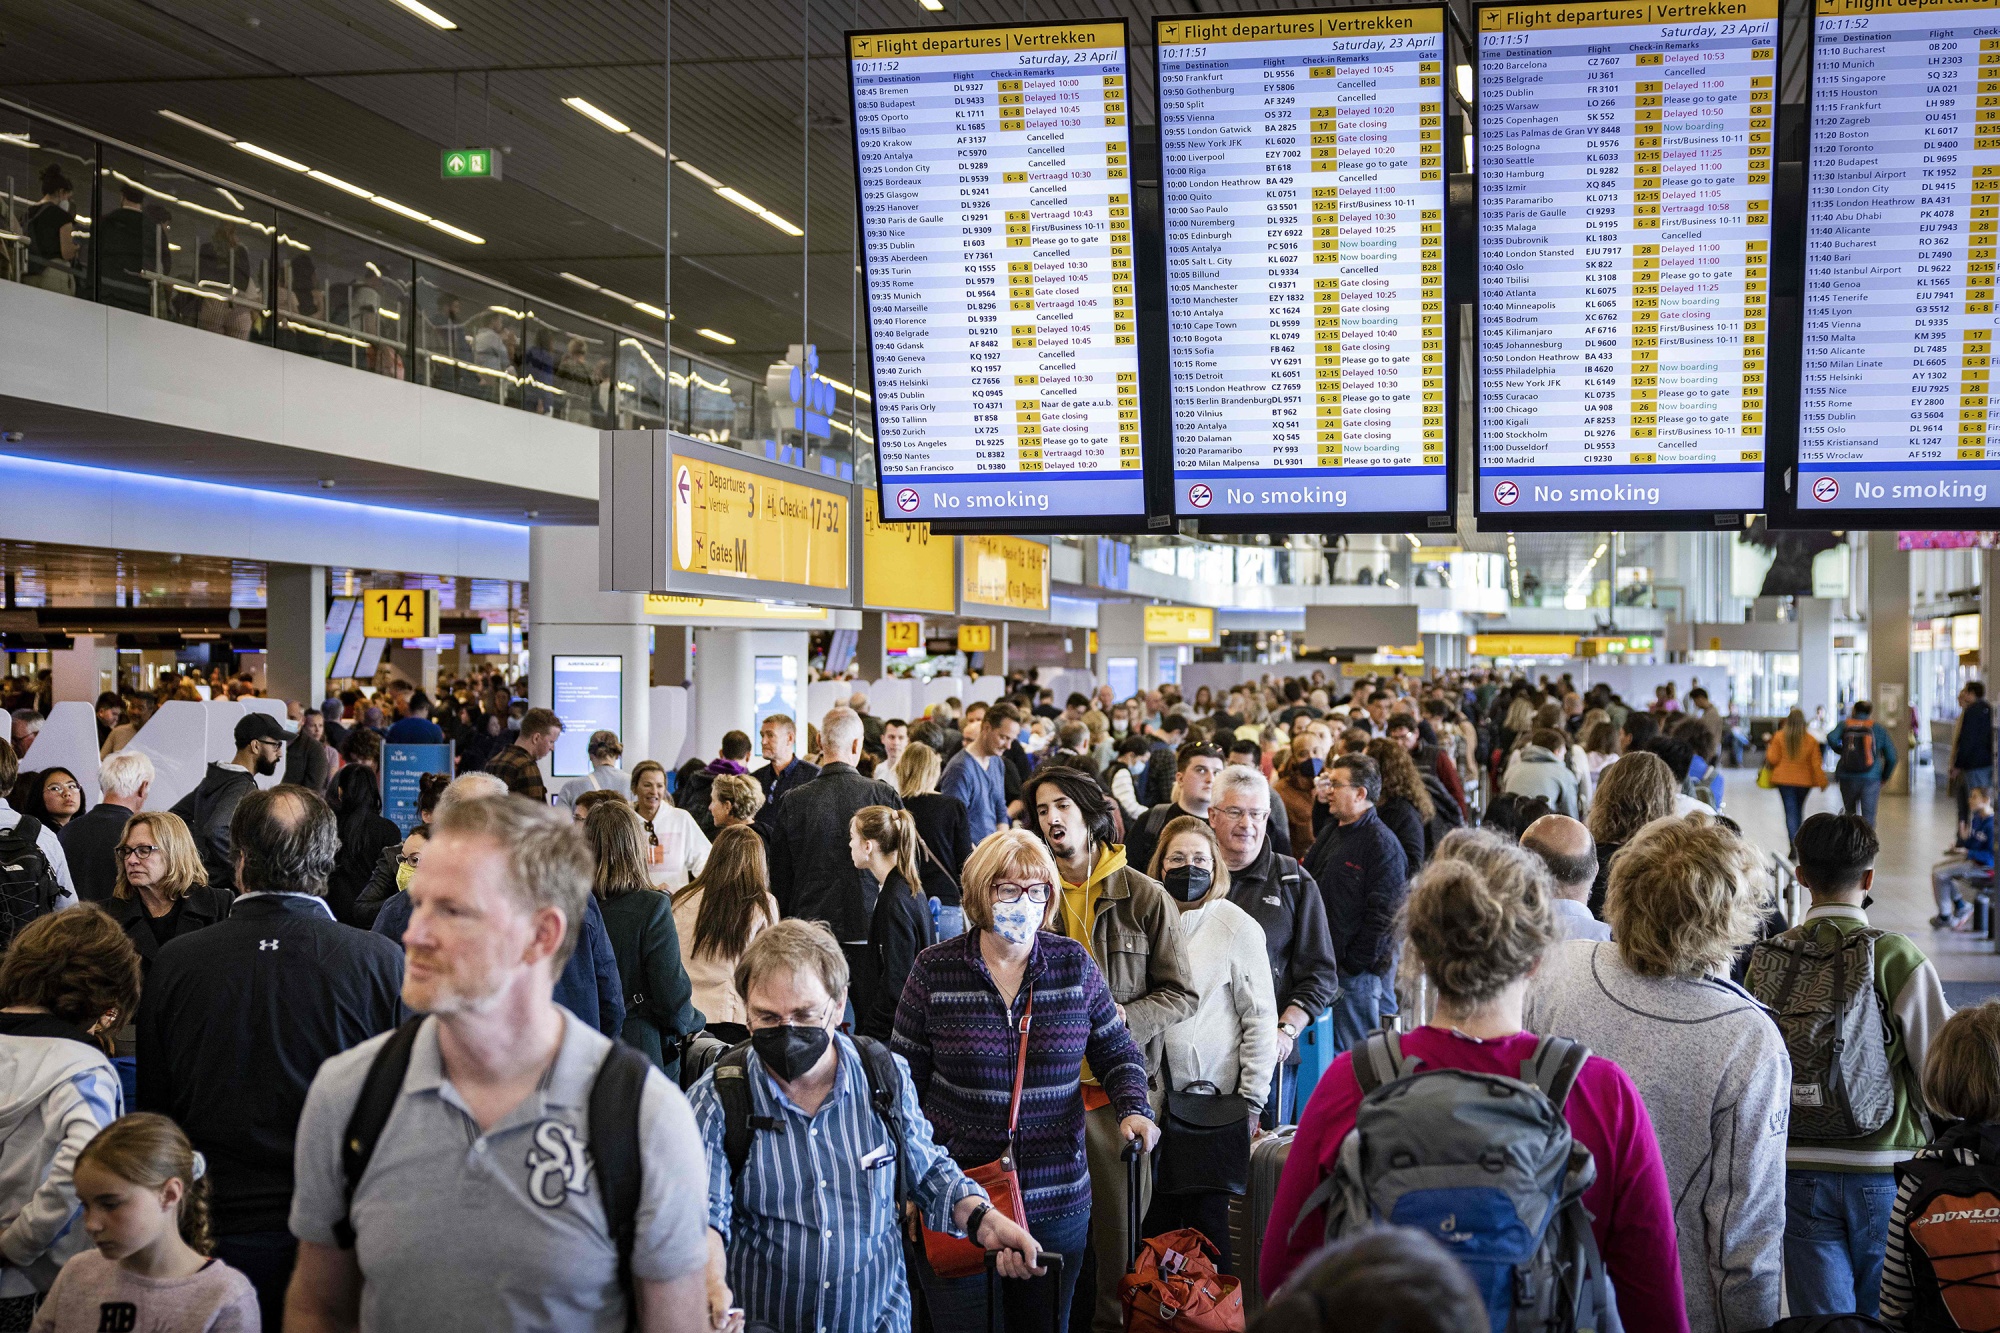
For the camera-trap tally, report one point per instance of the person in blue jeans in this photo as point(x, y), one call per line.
point(1839, 1192)
point(1873, 759)
point(1972, 748)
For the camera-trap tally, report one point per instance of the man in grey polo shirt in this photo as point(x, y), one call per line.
point(480, 1207)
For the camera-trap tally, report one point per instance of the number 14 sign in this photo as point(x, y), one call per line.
point(399, 613)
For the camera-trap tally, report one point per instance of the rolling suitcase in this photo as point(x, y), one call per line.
point(1250, 1212)
point(1316, 1053)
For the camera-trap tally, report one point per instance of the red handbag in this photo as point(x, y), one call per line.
point(951, 1257)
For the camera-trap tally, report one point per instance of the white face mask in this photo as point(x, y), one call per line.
point(1017, 921)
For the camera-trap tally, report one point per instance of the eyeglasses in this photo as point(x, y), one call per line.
point(408, 859)
point(1239, 814)
point(68, 788)
point(140, 852)
point(1014, 893)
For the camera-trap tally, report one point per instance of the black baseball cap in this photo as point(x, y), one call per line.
point(261, 727)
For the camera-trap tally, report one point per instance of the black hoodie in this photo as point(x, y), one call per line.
point(207, 811)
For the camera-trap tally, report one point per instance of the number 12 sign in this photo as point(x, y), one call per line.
point(399, 613)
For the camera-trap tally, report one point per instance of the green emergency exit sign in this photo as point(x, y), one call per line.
point(469, 164)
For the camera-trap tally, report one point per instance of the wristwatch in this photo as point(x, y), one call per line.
point(1288, 1030)
point(975, 1219)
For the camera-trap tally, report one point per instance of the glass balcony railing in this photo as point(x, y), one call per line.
point(101, 221)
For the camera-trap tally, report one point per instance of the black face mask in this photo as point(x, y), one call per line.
point(1188, 883)
point(788, 1051)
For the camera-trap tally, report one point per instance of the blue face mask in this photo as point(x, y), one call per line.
point(1017, 921)
point(1313, 766)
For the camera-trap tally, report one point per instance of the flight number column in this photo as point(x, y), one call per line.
point(977, 166)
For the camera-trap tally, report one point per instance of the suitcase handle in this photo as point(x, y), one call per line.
point(1132, 1153)
point(1052, 1260)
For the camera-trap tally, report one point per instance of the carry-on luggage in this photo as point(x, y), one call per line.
point(1250, 1213)
point(1171, 1284)
point(1050, 1260)
point(1316, 1053)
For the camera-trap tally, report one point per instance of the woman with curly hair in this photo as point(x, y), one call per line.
point(1478, 921)
point(66, 984)
point(1687, 895)
point(1405, 805)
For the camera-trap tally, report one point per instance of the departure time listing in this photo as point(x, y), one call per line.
point(1302, 161)
point(1624, 254)
point(1902, 216)
point(996, 211)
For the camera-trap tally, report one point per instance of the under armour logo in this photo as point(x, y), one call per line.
point(266, 944)
point(558, 1164)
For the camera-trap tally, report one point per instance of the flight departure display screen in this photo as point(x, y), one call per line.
point(1302, 180)
point(1903, 194)
point(1624, 259)
point(996, 214)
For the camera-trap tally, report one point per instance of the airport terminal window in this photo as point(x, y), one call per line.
point(182, 248)
point(643, 386)
point(469, 336)
point(567, 368)
point(342, 299)
point(48, 175)
point(719, 405)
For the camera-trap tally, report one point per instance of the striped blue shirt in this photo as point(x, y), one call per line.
point(812, 1237)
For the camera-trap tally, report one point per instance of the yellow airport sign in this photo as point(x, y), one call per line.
point(399, 613)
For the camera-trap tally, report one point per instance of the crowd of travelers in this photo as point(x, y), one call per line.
point(1377, 1003)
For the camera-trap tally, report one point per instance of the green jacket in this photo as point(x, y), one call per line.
point(1914, 998)
point(659, 998)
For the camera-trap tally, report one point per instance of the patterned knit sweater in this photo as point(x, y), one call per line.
point(959, 1041)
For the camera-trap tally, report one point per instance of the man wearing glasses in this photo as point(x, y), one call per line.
point(207, 810)
point(1280, 897)
point(1196, 766)
point(1362, 875)
point(1132, 930)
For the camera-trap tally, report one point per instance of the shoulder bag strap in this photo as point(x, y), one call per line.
point(1020, 1068)
point(935, 859)
point(884, 1091)
point(371, 1113)
point(615, 1095)
point(1554, 1066)
point(1379, 1061)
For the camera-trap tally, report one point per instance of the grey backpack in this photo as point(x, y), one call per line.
point(1485, 1165)
point(1819, 984)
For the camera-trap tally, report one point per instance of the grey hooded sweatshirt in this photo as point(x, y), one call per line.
point(57, 1090)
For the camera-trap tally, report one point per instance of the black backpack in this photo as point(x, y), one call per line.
point(614, 1140)
point(28, 886)
point(1857, 749)
point(1952, 1226)
point(739, 1125)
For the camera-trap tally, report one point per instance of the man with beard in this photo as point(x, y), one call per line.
point(208, 809)
point(490, 1199)
point(1132, 929)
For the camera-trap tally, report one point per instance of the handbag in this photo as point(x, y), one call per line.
point(1204, 1140)
point(1765, 778)
point(953, 1257)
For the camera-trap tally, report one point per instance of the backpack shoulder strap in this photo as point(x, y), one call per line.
point(614, 1146)
point(732, 1089)
point(885, 1092)
point(29, 831)
point(1380, 1061)
point(371, 1113)
point(1554, 1066)
point(1287, 867)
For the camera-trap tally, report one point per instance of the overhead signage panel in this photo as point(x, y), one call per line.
point(1625, 182)
point(1902, 211)
point(1302, 172)
point(905, 566)
point(1008, 574)
point(994, 170)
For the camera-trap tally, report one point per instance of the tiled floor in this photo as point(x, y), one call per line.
point(1915, 830)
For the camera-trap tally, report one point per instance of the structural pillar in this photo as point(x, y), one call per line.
point(733, 688)
point(1889, 646)
point(570, 617)
point(1121, 634)
point(672, 646)
point(871, 651)
point(295, 633)
point(1815, 655)
point(85, 669)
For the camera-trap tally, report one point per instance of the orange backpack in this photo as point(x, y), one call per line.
point(1174, 1286)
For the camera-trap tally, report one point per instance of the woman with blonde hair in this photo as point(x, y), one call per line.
point(1478, 922)
point(969, 1003)
point(640, 921)
point(160, 890)
point(944, 836)
point(716, 917)
point(1688, 895)
point(734, 798)
point(1634, 792)
point(883, 841)
point(1798, 769)
point(1229, 1048)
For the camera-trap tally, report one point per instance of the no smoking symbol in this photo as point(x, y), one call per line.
point(1200, 496)
point(1826, 490)
point(1506, 493)
point(907, 501)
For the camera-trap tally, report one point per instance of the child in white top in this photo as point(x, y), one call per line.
point(145, 1207)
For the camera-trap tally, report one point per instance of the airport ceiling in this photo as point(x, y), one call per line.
point(370, 92)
